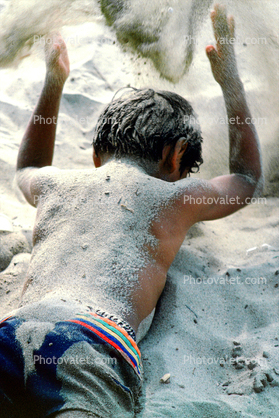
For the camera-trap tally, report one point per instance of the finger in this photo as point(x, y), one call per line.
point(220, 9)
point(58, 39)
point(52, 53)
point(220, 23)
point(55, 52)
point(231, 23)
point(53, 38)
point(213, 18)
point(212, 55)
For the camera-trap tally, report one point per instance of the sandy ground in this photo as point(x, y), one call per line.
point(216, 329)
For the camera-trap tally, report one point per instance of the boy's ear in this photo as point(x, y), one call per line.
point(97, 160)
point(171, 157)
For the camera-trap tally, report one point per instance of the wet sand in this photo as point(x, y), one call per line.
point(216, 329)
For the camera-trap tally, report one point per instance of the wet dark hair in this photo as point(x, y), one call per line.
point(142, 122)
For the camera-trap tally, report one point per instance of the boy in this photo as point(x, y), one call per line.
point(105, 238)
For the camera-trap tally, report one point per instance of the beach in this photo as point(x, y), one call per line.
point(216, 326)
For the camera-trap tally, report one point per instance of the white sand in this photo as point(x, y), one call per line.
point(217, 298)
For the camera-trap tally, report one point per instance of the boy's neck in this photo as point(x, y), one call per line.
point(148, 167)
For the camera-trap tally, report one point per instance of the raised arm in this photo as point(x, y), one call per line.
point(37, 146)
point(244, 160)
point(244, 147)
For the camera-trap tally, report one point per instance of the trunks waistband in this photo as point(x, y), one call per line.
point(119, 321)
point(114, 334)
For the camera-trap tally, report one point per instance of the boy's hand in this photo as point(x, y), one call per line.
point(57, 60)
point(37, 145)
point(222, 59)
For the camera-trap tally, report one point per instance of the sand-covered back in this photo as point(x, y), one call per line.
point(216, 327)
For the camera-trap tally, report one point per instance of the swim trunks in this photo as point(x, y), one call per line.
point(85, 363)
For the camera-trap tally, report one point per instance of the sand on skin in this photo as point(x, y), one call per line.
point(199, 318)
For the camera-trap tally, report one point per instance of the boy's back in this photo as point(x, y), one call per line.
point(76, 257)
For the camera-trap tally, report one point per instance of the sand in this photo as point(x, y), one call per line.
point(216, 328)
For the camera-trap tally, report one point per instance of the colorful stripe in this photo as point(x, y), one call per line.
point(121, 330)
point(5, 319)
point(104, 326)
point(114, 335)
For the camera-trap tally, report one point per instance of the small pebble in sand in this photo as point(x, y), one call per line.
point(251, 250)
point(252, 364)
point(239, 363)
point(125, 207)
point(236, 351)
point(267, 247)
point(258, 386)
point(165, 378)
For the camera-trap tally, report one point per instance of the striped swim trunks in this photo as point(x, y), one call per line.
point(114, 335)
point(83, 363)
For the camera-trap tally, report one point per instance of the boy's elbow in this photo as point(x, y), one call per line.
point(256, 185)
point(258, 179)
point(255, 180)
point(259, 186)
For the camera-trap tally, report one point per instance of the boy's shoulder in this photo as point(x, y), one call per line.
point(33, 181)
